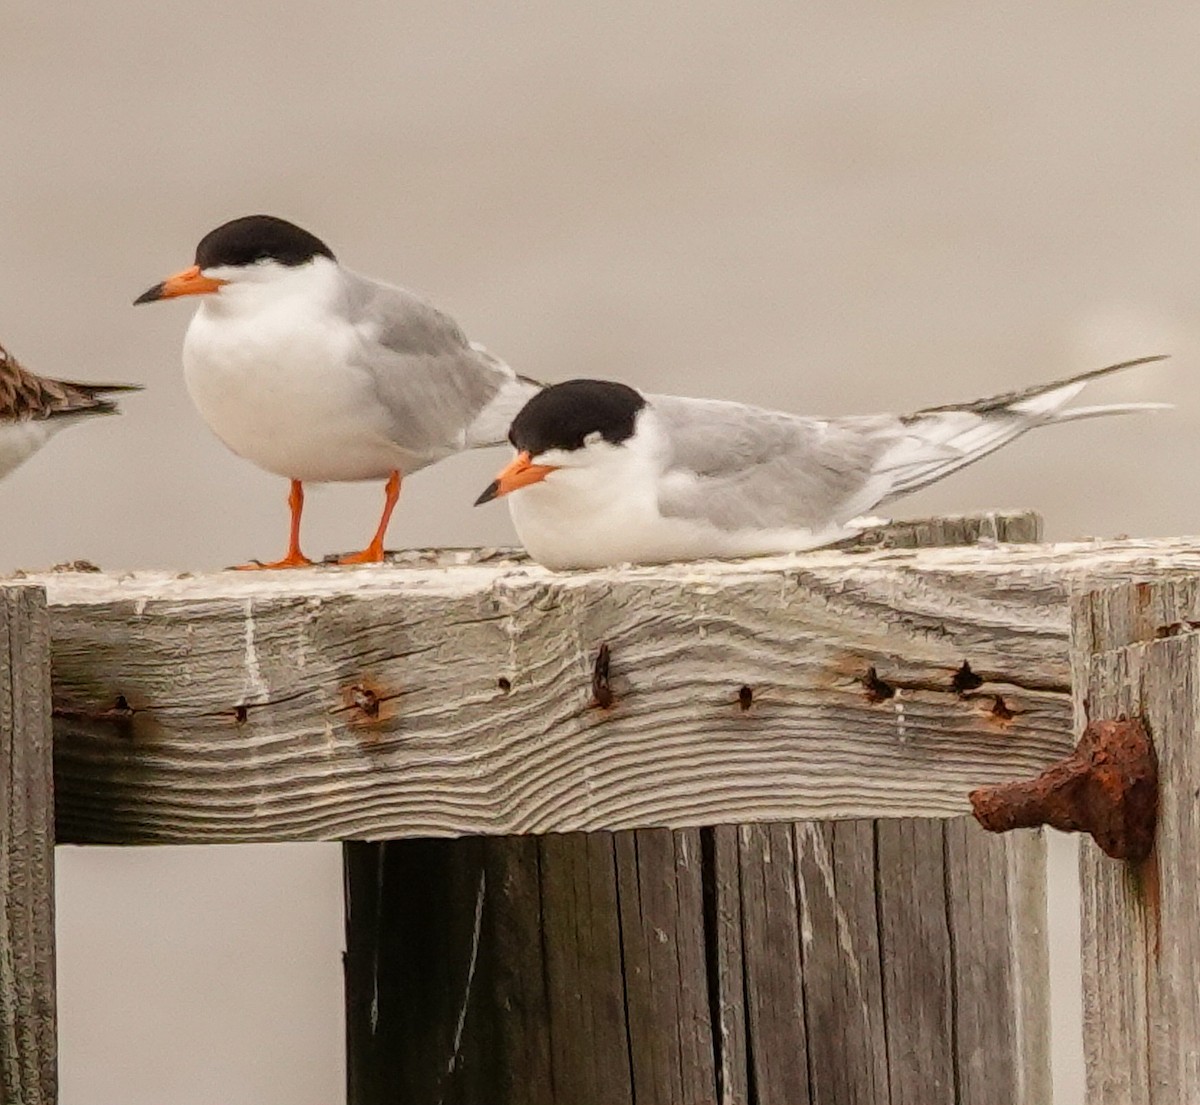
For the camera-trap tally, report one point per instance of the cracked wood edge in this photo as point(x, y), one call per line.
point(371, 703)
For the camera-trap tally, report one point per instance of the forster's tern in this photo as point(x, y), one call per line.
point(34, 408)
point(318, 374)
point(605, 475)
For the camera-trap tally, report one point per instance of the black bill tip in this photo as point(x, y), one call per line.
point(489, 493)
point(150, 295)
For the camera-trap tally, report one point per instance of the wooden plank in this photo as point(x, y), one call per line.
point(519, 1041)
point(996, 908)
point(661, 912)
point(914, 944)
point(28, 1048)
point(843, 987)
point(412, 964)
point(343, 704)
point(445, 980)
point(778, 1046)
point(585, 970)
point(726, 955)
point(1138, 653)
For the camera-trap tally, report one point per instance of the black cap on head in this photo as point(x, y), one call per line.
point(563, 415)
point(259, 238)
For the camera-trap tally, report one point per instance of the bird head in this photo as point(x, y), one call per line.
point(576, 426)
point(255, 249)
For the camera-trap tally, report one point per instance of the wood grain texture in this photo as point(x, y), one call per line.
point(726, 958)
point(372, 702)
point(778, 1046)
point(996, 909)
point(914, 944)
point(892, 960)
point(1138, 653)
point(28, 1048)
point(843, 984)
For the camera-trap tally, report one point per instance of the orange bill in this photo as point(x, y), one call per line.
point(520, 473)
point(189, 282)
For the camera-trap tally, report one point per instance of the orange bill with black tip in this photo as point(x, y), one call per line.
point(520, 473)
point(188, 282)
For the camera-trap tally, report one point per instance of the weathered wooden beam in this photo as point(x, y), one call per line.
point(396, 702)
point(1137, 653)
point(28, 1049)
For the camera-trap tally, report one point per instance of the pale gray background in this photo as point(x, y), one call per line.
point(831, 207)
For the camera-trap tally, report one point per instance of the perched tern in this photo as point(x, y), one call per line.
point(34, 408)
point(605, 475)
point(318, 374)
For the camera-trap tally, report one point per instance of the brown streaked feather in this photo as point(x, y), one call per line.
point(26, 396)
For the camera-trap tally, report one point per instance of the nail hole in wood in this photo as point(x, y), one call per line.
point(965, 680)
point(877, 690)
point(602, 694)
point(1001, 710)
point(504, 684)
point(365, 699)
point(240, 713)
point(746, 696)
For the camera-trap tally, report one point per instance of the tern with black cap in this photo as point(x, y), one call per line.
point(34, 408)
point(318, 374)
point(606, 475)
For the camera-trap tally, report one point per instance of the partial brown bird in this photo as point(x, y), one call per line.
point(34, 408)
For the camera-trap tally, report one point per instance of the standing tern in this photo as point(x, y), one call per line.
point(34, 408)
point(318, 374)
point(605, 475)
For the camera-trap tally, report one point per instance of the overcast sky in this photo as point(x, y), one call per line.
point(828, 207)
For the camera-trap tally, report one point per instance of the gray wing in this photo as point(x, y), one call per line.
point(739, 467)
point(743, 467)
point(440, 392)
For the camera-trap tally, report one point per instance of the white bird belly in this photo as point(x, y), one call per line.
point(286, 396)
point(562, 528)
point(21, 439)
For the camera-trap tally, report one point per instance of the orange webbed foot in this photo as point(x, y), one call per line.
point(292, 560)
point(372, 554)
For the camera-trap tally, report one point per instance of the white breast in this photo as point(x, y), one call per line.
point(273, 372)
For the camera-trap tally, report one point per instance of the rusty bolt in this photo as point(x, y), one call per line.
point(1107, 787)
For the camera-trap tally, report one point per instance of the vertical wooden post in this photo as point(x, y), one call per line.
point(28, 1053)
point(1136, 652)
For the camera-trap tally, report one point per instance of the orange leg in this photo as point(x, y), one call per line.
point(295, 558)
point(373, 553)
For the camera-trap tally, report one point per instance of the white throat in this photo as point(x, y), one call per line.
point(268, 285)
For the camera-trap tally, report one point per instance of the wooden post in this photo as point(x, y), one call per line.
point(759, 964)
point(28, 1052)
point(1137, 653)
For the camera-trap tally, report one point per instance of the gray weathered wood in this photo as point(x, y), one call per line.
point(778, 1051)
point(28, 1049)
point(372, 702)
point(914, 944)
point(727, 997)
point(996, 908)
point(843, 986)
point(1137, 652)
